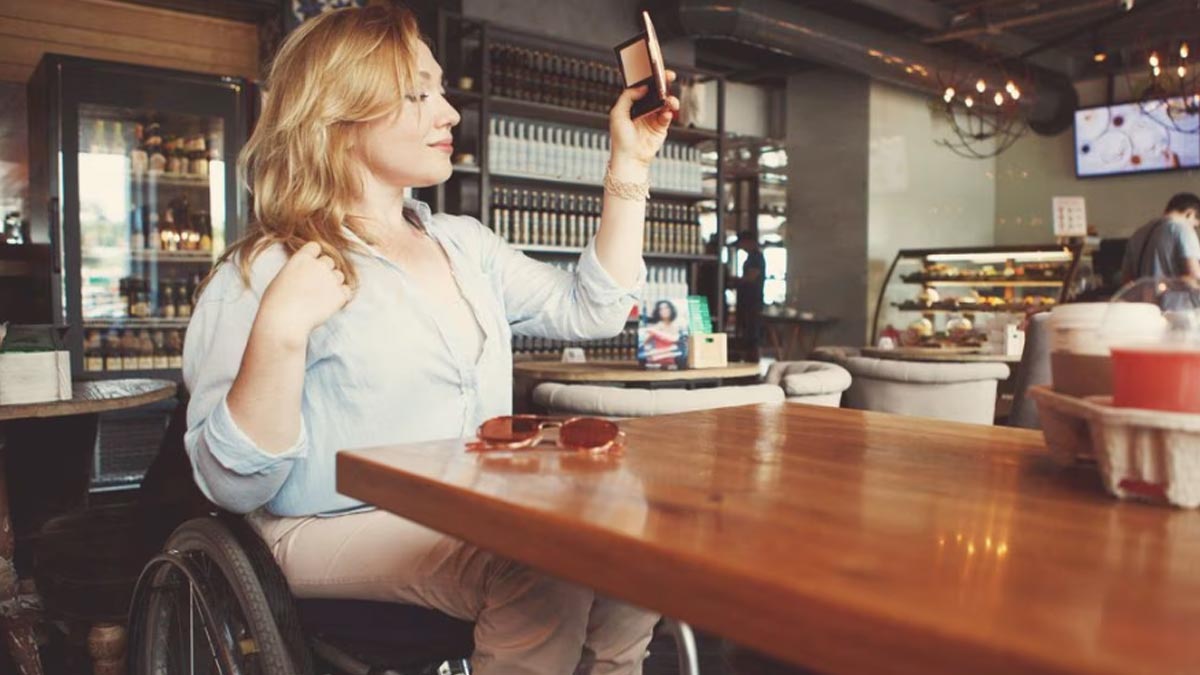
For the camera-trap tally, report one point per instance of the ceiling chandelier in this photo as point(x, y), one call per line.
point(985, 115)
point(1173, 96)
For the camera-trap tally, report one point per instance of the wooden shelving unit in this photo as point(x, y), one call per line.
point(464, 46)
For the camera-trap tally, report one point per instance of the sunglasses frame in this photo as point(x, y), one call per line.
point(543, 423)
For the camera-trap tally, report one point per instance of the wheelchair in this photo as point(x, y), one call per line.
point(214, 602)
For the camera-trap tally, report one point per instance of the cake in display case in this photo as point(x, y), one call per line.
point(954, 297)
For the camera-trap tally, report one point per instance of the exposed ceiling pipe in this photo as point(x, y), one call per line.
point(934, 17)
point(1017, 22)
point(921, 13)
point(813, 36)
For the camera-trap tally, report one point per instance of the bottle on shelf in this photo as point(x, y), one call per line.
point(145, 352)
point(171, 151)
point(183, 301)
point(141, 306)
point(139, 159)
point(665, 281)
point(93, 352)
point(161, 360)
point(202, 226)
point(168, 233)
point(197, 156)
point(112, 352)
point(174, 349)
point(129, 350)
point(166, 300)
point(154, 146)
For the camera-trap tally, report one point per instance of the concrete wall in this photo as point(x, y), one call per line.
point(828, 134)
point(1037, 168)
point(920, 195)
point(748, 110)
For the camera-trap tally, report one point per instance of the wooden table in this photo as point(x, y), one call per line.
point(784, 333)
point(940, 355)
point(88, 400)
point(839, 540)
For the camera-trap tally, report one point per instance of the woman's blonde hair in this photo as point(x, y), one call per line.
point(332, 73)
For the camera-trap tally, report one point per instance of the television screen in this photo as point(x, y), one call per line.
point(1135, 138)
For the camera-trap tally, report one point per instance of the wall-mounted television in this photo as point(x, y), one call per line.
point(1136, 138)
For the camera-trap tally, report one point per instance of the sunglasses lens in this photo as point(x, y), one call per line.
point(508, 429)
point(587, 433)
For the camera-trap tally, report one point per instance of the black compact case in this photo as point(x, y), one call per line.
point(640, 60)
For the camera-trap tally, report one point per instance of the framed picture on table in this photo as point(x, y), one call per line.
point(663, 329)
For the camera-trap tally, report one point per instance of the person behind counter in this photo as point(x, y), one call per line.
point(750, 293)
point(1168, 245)
point(351, 317)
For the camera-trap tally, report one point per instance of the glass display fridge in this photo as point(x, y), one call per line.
point(133, 184)
point(943, 297)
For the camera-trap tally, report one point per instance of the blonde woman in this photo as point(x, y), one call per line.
point(352, 317)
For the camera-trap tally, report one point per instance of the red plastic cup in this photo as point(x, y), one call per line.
point(1157, 377)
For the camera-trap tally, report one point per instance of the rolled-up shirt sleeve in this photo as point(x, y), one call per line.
point(231, 470)
point(546, 301)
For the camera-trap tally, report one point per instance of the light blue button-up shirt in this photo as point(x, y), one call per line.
point(381, 370)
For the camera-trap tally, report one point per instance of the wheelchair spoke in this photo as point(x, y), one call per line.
point(191, 630)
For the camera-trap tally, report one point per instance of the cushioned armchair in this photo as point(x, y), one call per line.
point(811, 382)
point(960, 392)
point(1033, 371)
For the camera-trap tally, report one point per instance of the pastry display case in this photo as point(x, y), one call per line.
point(955, 296)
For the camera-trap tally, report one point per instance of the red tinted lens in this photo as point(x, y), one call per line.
point(588, 432)
point(511, 429)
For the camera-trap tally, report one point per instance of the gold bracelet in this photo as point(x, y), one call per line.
point(634, 192)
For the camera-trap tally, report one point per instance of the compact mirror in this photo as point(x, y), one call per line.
point(641, 63)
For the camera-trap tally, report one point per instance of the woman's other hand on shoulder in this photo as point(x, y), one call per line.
point(307, 291)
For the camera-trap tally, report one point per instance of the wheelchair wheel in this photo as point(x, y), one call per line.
point(200, 608)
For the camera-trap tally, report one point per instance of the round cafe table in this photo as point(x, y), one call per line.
point(528, 374)
point(939, 354)
point(24, 430)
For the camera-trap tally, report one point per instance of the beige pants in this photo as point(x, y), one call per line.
point(526, 622)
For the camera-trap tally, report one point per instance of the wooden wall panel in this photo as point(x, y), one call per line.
point(122, 32)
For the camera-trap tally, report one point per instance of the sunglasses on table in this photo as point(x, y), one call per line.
point(578, 434)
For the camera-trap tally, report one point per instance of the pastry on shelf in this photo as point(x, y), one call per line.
point(959, 326)
point(918, 331)
point(928, 297)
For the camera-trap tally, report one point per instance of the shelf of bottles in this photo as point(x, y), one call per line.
point(544, 151)
point(542, 76)
point(622, 347)
point(546, 221)
point(151, 219)
point(541, 83)
point(542, 125)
